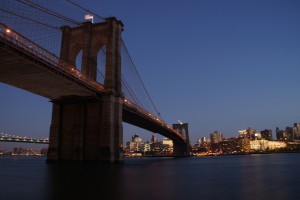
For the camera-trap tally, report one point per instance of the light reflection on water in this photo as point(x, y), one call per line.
point(273, 176)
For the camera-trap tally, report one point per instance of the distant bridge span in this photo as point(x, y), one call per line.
point(10, 138)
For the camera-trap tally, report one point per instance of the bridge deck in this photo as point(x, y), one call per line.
point(148, 123)
point(22, 70)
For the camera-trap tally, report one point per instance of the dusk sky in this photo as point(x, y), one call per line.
point(221, 65)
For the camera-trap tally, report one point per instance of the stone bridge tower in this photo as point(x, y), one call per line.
point(89, 129)
point(182, 148)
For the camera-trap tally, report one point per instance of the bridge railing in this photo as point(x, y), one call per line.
point(44, 56)
point(147, 114)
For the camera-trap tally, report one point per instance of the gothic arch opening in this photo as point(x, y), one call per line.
point(101, 63)
point(183, 132)
point(78, 61)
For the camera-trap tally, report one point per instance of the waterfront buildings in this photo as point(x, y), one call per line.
point(296, 131)
point(251, 133)
point(136, 144)
point(263, 145)
point(250, 140)
point(167, 142)
point(247, 141)
point(153, 138)
point(289, 134)
point(137, 147)
point(20, 151)
point(216, 137)
point(266, 134)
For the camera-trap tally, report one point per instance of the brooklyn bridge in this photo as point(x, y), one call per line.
point(82, 65)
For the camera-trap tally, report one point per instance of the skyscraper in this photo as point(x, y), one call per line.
point(266, 134)
point(216, 137)
point(279, 134)
point(251, 133)
point(153, 138)
point(296, 131)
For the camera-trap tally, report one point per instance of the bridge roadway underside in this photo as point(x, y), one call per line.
point(25, 71)
point(142, 122)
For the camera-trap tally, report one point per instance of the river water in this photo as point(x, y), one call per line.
point(271, 176)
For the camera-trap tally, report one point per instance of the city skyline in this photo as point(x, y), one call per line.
point(216, 65)
point(273, 136)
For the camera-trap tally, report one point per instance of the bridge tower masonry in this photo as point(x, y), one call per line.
point(182, 148)
point(89, 129)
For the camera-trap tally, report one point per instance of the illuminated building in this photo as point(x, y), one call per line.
point(259, 145)
point(262, 145)
point(153, 138)
point(204, 140)
point(245, 144)
point(146, 147)
point(290, 133)
point(296, 131)
point(276, 145)
point(257, 136)
point(216, 137)
point(243, 134)
point(136, 138)
point(167, 142)
point(266, 134)
point(136, 144)
point(279, 134)
point(251, 133)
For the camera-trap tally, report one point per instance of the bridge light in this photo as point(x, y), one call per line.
point(7, 30)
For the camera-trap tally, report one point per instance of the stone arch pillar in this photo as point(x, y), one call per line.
point(182, 148)
point(89, 129)
point(90, 38)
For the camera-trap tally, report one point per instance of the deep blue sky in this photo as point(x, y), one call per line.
point(220, 65)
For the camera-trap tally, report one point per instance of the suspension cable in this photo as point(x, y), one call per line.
point(48, 11)
point(28, 19)
point(125, 84)
point(131, 93)
point(140, 78)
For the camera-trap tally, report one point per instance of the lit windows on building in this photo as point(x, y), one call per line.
point(263, 145)
point(216, 137)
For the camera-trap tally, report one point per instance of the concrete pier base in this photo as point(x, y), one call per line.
point(86, 130)
point(181, 149)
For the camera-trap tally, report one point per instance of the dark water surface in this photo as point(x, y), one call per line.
point(272, 176)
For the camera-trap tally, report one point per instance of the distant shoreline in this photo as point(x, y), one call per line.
point(236, 154)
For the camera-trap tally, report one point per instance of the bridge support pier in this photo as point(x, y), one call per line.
point(89, 129)
point(181, 149)
point(86, 130)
